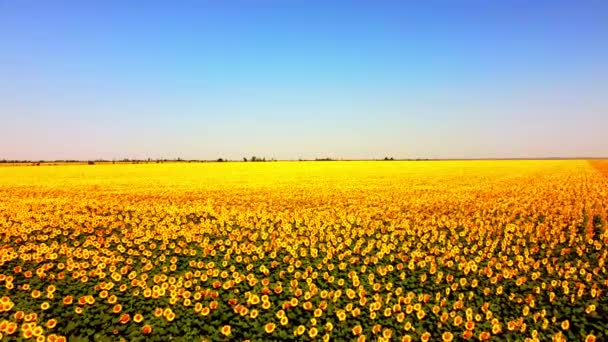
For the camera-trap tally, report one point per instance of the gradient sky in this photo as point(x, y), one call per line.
point(302, 79)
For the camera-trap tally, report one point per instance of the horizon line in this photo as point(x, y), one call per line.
point(263, 159)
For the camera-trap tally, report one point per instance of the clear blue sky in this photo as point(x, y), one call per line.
point(303, 79)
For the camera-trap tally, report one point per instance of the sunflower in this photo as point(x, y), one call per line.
point(158, 312)
point(253, 313)
point(11, 328)
point(387, 333)
point(484, 336)
point(511, 325)
point(269, 327)
point(146, 329)
point(254, 300)
point(27, 334)
point(400, 317)
point(293, 302)
point(300, 330)
point(51, 323)
point(307, 305)
point(376, 329)
point(407, 326)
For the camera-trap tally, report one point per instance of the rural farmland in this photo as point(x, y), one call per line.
point(359, 250)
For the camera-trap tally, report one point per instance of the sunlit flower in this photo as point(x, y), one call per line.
point(269, 327)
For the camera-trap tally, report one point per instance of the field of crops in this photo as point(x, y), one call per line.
point(400, 251)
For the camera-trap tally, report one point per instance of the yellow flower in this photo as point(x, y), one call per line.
point(51, 323)
point(138, 318)
point(300, 330)
point(269, 327)
point(387, 333)
point(590, 338)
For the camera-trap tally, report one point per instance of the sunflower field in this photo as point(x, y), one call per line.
point(340, 251)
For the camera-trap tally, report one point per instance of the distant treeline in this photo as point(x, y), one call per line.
point(244, 159)
point(254, 159)
point(104, 161)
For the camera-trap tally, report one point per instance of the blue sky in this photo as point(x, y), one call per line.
point(303, 79)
